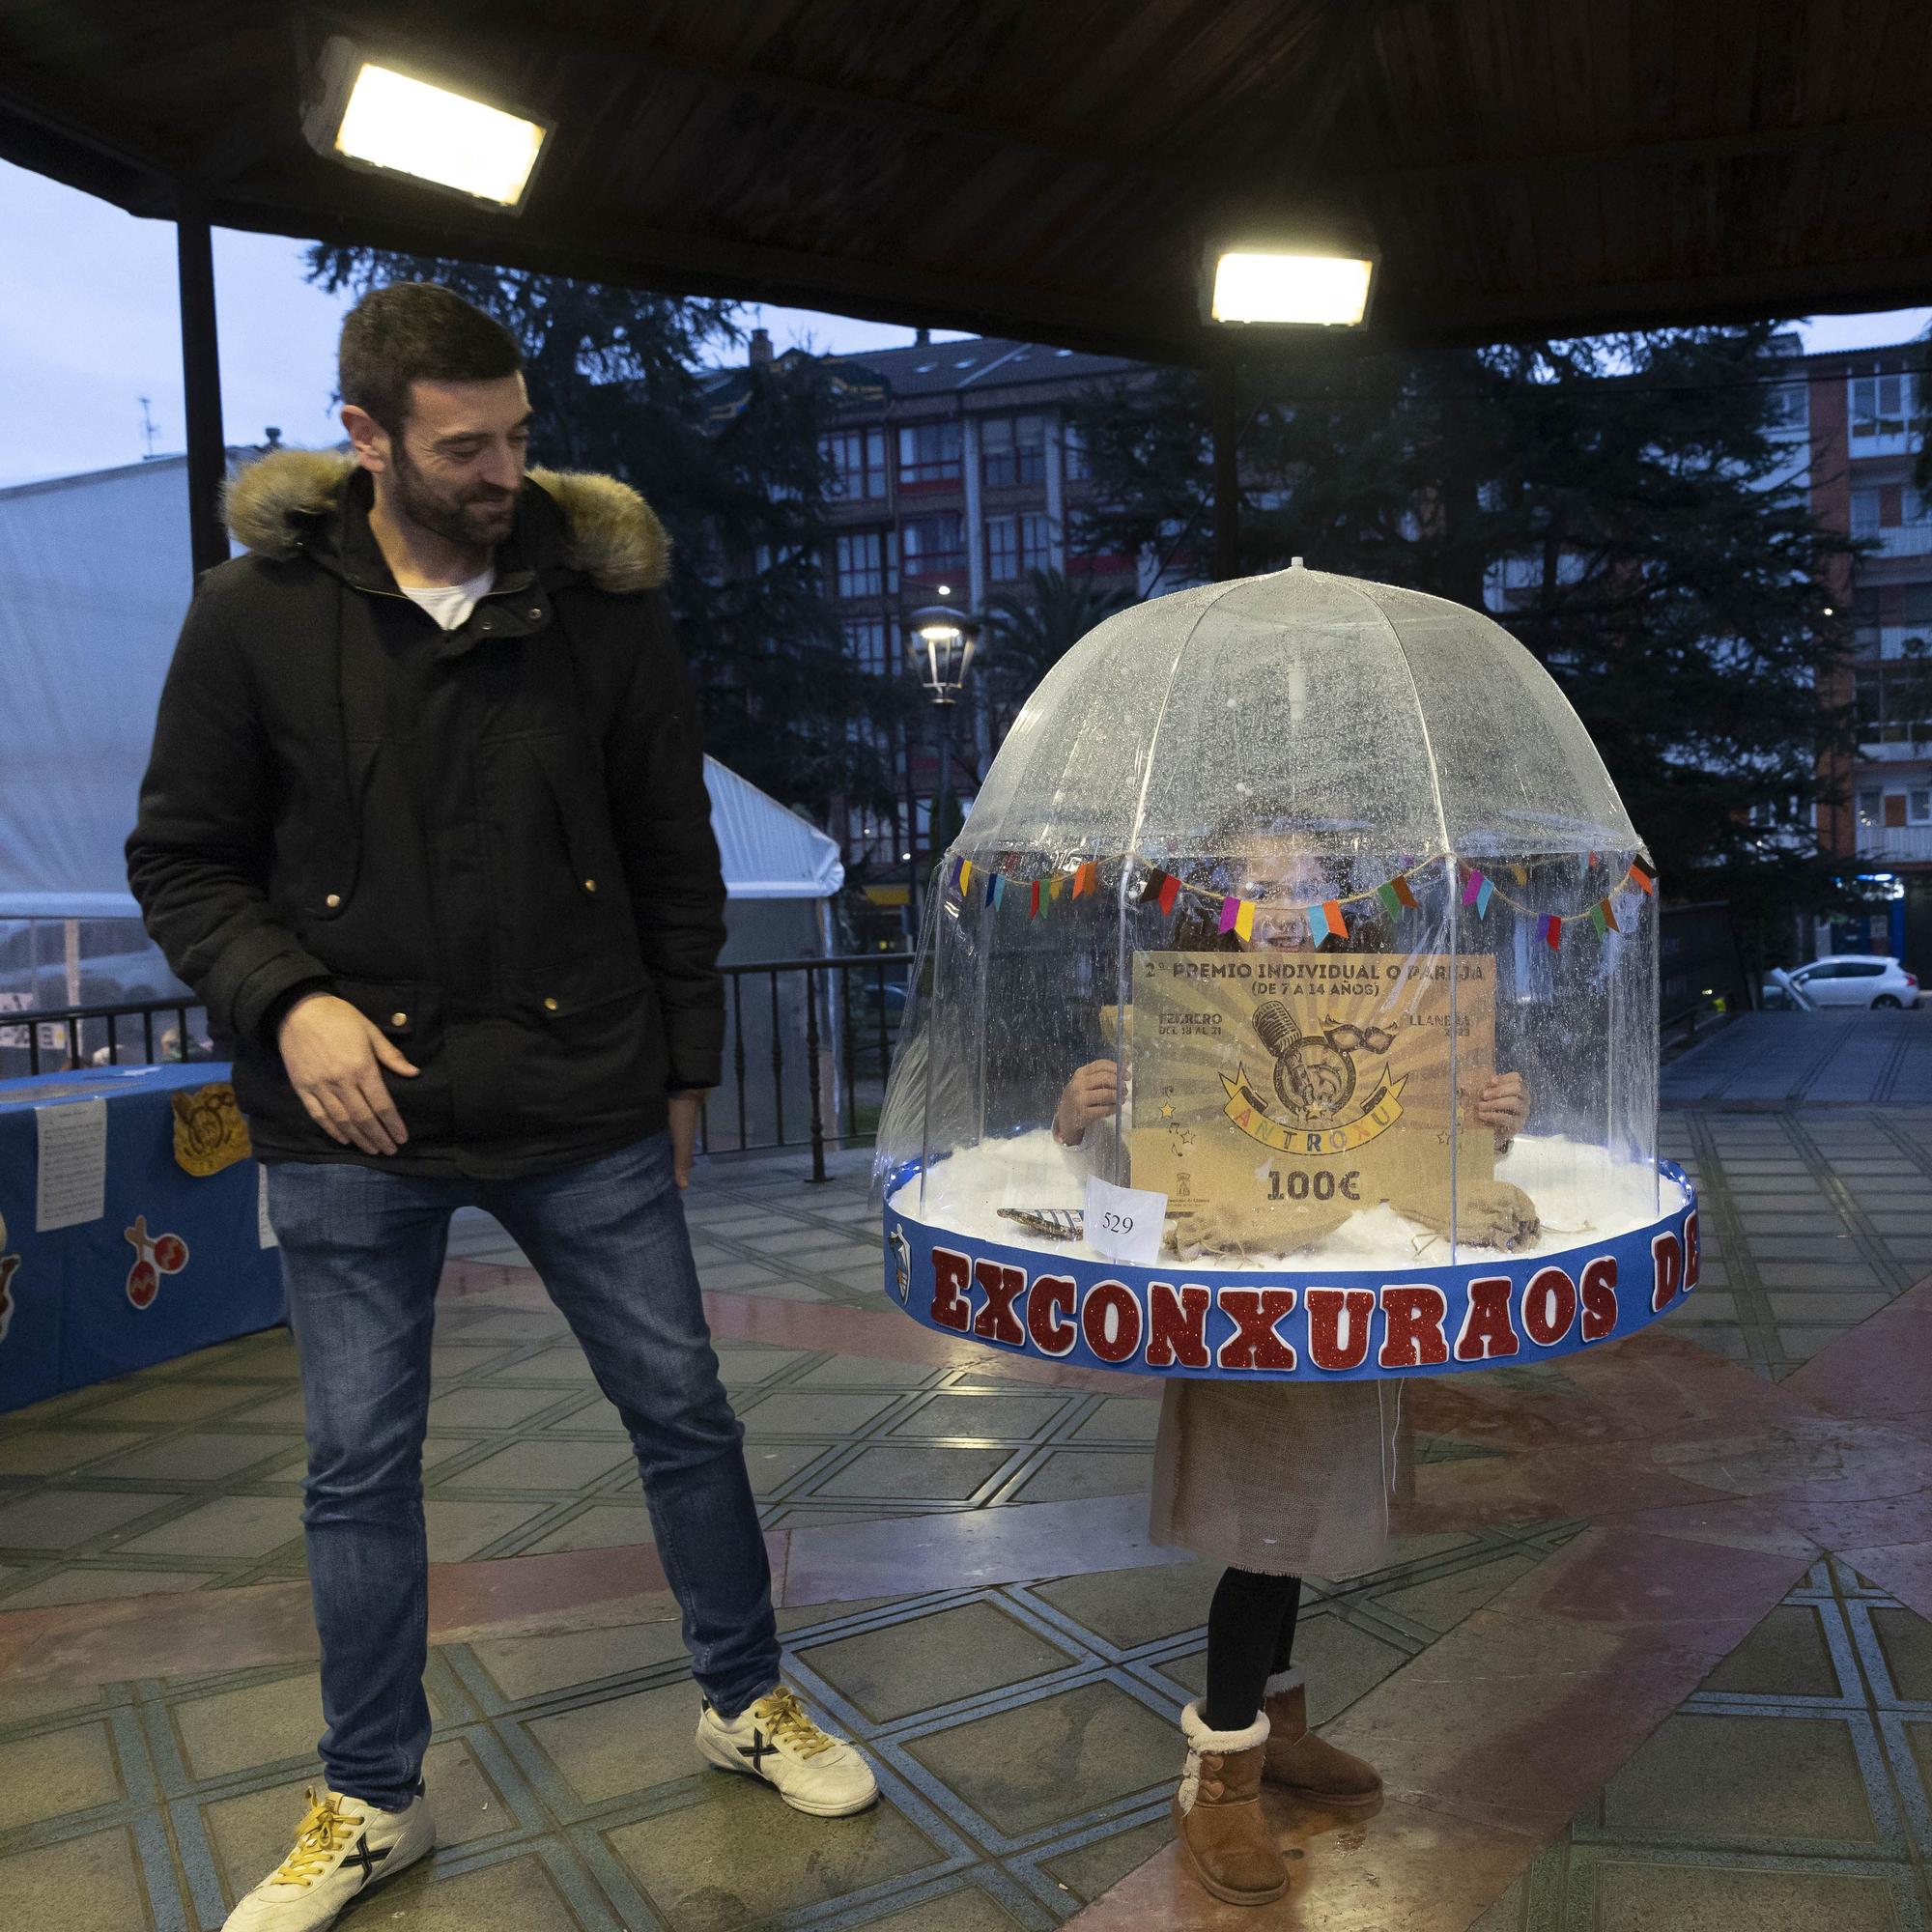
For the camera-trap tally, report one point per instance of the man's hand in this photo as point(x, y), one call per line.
point(334, 1059)
point(685, 1110)
point(1091, 1096)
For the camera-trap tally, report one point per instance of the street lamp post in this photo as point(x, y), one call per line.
point(940, 644)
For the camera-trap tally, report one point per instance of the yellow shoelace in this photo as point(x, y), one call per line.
point(325, 1832)
point(783, 1717)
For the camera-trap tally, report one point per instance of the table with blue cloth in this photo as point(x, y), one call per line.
point(178, 1259)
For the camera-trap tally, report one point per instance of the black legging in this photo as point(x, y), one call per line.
point(1250, 1636)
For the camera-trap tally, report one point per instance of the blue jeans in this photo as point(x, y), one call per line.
point(363, 1251)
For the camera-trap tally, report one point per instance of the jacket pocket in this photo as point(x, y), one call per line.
point(590, 1046)
point(408, 1014)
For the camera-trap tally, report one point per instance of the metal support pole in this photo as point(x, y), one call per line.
point(1224, 422)
point(201, 387)
point(944, 722)
point(812, 1071)
point(912, 846)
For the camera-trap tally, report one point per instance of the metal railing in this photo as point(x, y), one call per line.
point(826, 1030)
point(808, 1045)
point(44, 1040)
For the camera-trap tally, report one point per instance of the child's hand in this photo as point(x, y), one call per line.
point(1503, 1105)
point(1093, 1094)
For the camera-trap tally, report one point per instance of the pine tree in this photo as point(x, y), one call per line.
point(736, 472)
point(1028, 633)
point(1619, 504)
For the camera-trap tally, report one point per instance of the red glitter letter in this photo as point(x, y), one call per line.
point(1338, 1319)
point(1177, 1326)
point(1412, 1316)
point(1549, 1307)
point(1254, 1344)
point(951, 1274)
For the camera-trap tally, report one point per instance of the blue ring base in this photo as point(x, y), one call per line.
point(1293, 1324)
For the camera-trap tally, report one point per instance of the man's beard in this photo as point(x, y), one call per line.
point(480, 514)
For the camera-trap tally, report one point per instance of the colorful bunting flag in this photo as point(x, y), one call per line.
point(1597, 912)
point(1231, 911)
point(1403, 893)
point(965, 879)
point(1610, 912)
point(1551, 930)
point(1032, 910)
point(996, 890)
point(1645, 878)
point(1084, 879)
point(1245, 920)
point(1324, 920)
point(1391, 904)
point(1483, 900)
point(1472, 884)
point(1163, 888)
point(1057, 886)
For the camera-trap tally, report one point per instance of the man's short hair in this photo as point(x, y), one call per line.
point(417, 333)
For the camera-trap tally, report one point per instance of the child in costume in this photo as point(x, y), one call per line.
point(1273, 1481)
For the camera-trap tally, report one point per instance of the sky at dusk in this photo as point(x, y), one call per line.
point(91, 327)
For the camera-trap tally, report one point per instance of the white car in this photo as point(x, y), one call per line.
point(1844, 979)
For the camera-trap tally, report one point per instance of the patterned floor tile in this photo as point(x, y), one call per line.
point(1734, 1780)
point(63, 1518)
point(1130, 1608)
point(560, 1466)
point(927, 1661)
point(1633, 1897)
point(598, 1527)
point(621, 1744)
point(999, 1418)
point(91, 1884)
point(255, 1723)
point(533, 1667)
point(228, 1527)
point(939, 1475)
point(1056, 1758)
point(693, 1864)
point(90, 1586)
point(56, 1452)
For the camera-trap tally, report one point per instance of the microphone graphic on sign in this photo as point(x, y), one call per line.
point(1315, 1073)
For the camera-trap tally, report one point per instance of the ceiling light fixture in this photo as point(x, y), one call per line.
point(373, 114)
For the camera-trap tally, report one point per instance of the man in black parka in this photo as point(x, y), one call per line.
point(426, 828)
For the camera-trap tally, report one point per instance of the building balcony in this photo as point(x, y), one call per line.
point(1895, 845)
point(1905, 539)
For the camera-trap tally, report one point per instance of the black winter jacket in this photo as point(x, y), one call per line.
point(495, 841)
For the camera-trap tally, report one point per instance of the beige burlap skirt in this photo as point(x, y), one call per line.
point(1290, 1479)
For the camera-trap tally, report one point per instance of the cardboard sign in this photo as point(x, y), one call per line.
point(1315, 1077)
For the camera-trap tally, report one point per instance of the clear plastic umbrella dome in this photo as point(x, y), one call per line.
point(1306, 906)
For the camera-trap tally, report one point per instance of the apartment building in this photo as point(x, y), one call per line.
point(1858, 411)
point(958, 472)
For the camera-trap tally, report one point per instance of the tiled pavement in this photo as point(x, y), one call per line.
point(1559, 1672)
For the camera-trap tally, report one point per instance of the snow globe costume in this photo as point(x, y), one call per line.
point(1285, 1026)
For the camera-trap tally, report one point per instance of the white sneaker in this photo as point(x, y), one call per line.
point(342, 1847)
point(775, 1741)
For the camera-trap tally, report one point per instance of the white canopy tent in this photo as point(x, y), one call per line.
point(93, 577)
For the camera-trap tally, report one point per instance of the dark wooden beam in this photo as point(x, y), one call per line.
point(1346, 30)
point(1696, 149)
point(201, 383)
point(1224, 416)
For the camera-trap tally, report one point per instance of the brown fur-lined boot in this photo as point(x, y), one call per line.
point(1308, 1765)
point(1217, 1812)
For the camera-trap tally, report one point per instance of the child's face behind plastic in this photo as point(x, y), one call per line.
point(1284, 875)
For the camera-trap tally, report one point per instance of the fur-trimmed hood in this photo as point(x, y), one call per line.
point(611, 534)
